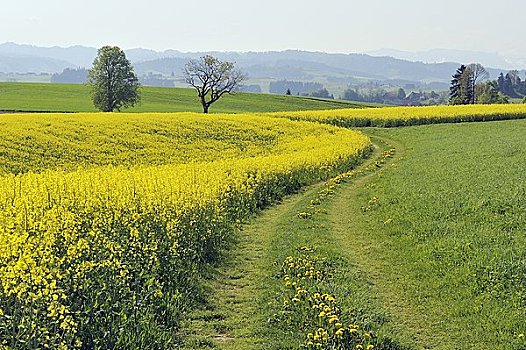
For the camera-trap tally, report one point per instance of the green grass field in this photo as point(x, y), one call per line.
point(444, 233)
point(76, 98)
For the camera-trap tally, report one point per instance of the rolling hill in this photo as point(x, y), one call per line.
point(76, 98)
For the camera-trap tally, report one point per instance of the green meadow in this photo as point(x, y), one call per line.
point(42, 97)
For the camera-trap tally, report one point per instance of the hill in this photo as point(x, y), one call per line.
point(76, 98)
point(335, 71)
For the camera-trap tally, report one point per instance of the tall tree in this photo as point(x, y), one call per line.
point(461, 89)
point(401, 94)
point(500, 82)
point(212, 79)
point(507, 88)
point(113, 82)
point(478, 74)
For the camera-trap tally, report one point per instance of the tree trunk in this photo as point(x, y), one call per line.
point(205, 108)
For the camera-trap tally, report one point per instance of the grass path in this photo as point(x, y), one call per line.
point(242, 293)
point(385, 278)
point(232, 317)
point(363, 253)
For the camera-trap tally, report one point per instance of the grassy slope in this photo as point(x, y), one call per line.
point(76, 98)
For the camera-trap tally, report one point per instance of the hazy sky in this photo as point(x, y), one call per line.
point(244, 25)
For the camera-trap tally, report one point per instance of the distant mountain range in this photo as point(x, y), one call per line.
point(431, 69)
point(448, 55)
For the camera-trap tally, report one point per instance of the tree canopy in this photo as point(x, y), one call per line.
point(114, 84)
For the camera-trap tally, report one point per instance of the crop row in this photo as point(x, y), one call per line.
point(406, 116)
point(37, 142)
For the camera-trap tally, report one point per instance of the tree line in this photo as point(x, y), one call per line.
point(511, 85)
point(114, 84)
point(470, 85)
point(291, 87)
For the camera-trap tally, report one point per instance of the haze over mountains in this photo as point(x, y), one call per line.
point(487, 59)
point(333, 70)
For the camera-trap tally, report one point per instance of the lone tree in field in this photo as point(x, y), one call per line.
point(212, 79)
point(113, 82)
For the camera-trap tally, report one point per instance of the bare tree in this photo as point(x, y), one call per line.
point(212, 79)
point(478, 74)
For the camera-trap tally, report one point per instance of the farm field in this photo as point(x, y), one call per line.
point(38, 142)
point(137, 230)
point(76, 98)
point(408, 116)
point(92, 246)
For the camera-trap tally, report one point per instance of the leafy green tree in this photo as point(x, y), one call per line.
point(322, 93)
point(212, 79)
point(352, 95)
point(511, 84)
point(114, 84)
point(501, 82)
point(401, 94)
point(488, 93)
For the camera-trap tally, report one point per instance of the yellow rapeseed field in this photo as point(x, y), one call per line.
point(107, 219)
point(405, 116)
